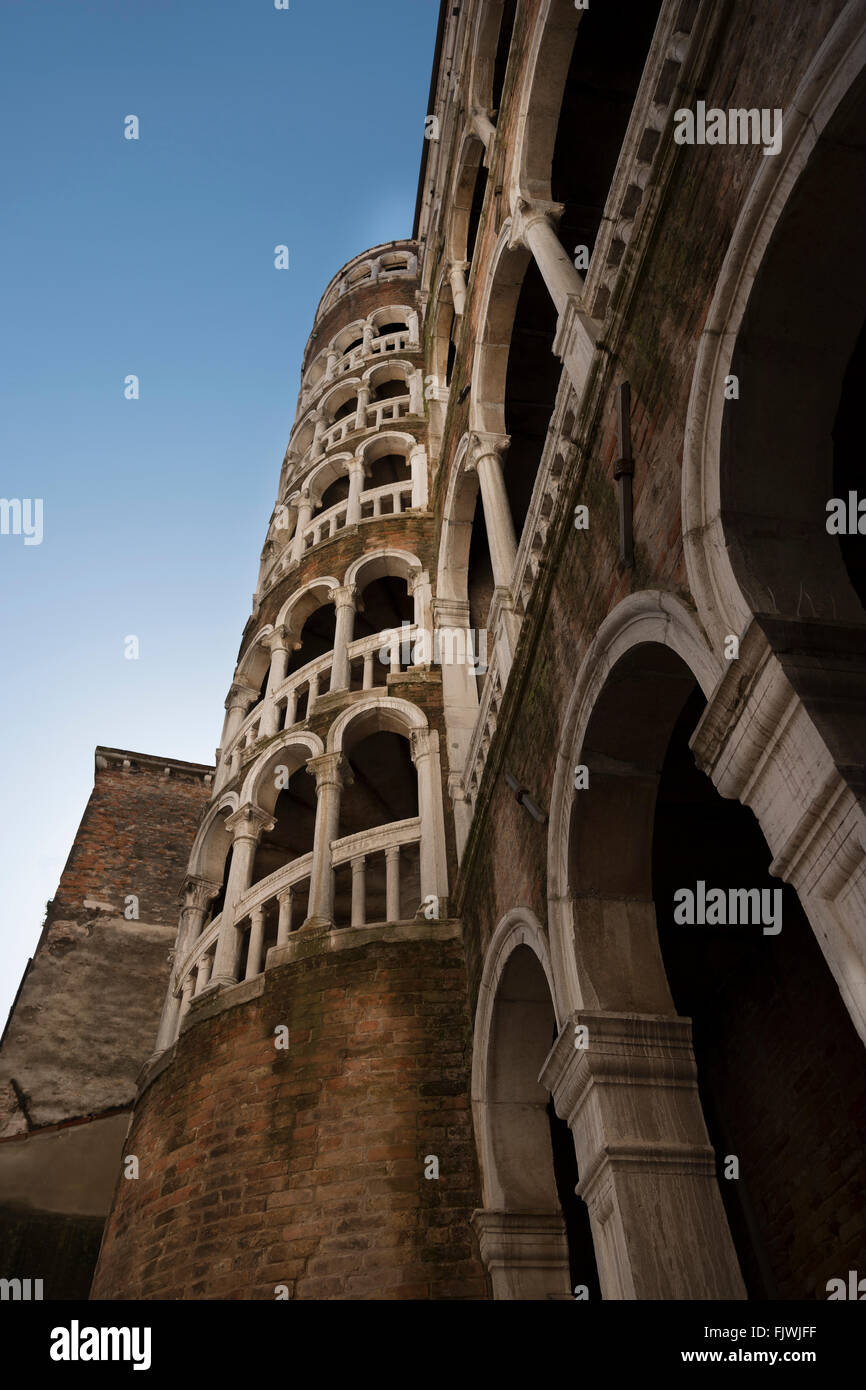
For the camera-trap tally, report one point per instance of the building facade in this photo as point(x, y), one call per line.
point(522, 952)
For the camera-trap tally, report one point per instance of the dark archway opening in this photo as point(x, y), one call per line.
point(531, 384)
point(848, 471)
point(780, 1066)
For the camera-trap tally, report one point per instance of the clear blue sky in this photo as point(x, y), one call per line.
point(156, 257)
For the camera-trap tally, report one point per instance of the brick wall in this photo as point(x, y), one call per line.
point(305, 1167)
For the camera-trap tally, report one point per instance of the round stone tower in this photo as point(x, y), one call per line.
point(303, 1129)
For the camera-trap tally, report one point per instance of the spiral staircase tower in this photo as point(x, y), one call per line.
point(303, 1129)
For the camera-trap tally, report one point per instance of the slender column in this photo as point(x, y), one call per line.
point(343, 599)
point(631, 1100)
point(291, 709)
point(316, 446)
point(238, 704)
point(359, 892)
point(363, 402)
point(284, 925)
point(369, 658)
point(416, 394)
point(186, 995)
point(577, 331)
point(418, 466)
point(356, 487)
point(257, 935)
point(486, 458)
point(170, 1019)
point(197, 895)
point(305, 511)
point(424, 748)
point(331, 774)
point(333, 359)
point(457, 280)
point(312, 691)
point(413, 324)
point(419, 588)
point(368, 339)
point(392, 884)
point(280, 643)
point(484, 129)
point(204, 968)
point(246, 825)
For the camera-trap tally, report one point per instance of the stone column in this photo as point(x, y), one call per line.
point(356, 487)
point(368, 336)
point(485, 456)
point(359, 891)
point(246, 825)
point(170, 1018)
point(392, 883)
point(316, 447)
point(257, 935)
point(305, 511)
point(457, 280)
point(238, 703)
point(333, 359)
point(484, 129)
point(525, 1253)
point(416, 393)
point(631, 1100)
point(197, 895)
point(418, 466)
point(331, 773)
point(284, 924)
point(343, 599)
point(424, 748)
point(363, 402)
point(412, 323)
point(280, 644)
point(577, 332)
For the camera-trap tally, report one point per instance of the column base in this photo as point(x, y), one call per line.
point(524, 1252)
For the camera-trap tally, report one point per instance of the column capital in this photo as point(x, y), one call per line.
point(343, 595)
point(197, 892)
point(423, 743)
point(240, 696)
point(280, 640)
point(248, 823)
point(484, 443)
point(527, 212)
point(329, 770)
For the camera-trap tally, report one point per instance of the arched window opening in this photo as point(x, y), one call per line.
point(317, 639)
point(531, 1149)
point(503, 49)
point(335, 492)
point(348, 407)
point(389, 390)
point(479, 190)
point(848, 463)
point(383, 790)
point(531, 385)
point(218, 903)
point(452, 351)
point(607, 63)
point(655, 848)
point(390, 468)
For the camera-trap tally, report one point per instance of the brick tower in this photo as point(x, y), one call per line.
point(304, 1127)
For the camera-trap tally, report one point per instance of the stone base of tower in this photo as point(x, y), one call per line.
point(288, 1143)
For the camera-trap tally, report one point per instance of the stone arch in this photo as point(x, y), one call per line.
point(324, 474)
point(340, 394)
point(540, 98)
point(522, 1229)
point(501, 292)
point(487, 41)
point(212, 841)
point(391, 369)
point(467, 194)
point(292, 751)
point(650, 617)
point(304, 601)
point(351, 333)
point(390, 313)
point(729, 578)
point(374, 714)
point(457, 516)
point(376, 564)
point(253, 665)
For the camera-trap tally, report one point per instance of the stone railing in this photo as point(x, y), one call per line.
point(273, 900)
point(358, 849)
point(280, 710)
